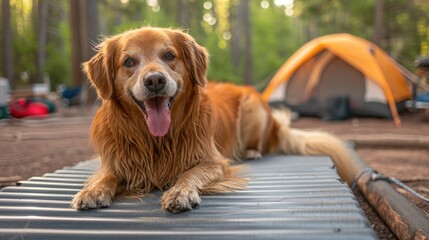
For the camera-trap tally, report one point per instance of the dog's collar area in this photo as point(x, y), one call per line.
point(141, 103)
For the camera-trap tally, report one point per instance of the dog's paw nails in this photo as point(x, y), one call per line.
point(103, 204)
point(178, 200)
point(253, 154)
point(81, 203)
point(88, 199)
point(76, 204)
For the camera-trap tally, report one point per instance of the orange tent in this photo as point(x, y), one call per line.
point(341, 65)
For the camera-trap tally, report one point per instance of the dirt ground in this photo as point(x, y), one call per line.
point(37, 146)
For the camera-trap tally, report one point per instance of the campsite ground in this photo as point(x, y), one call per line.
point(34, 147)
point(399, 152)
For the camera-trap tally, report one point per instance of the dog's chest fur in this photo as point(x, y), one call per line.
point(140, 160)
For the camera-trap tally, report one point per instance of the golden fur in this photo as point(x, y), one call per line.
point(210, 124)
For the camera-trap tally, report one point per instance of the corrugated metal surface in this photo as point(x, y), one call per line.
point(289, 197)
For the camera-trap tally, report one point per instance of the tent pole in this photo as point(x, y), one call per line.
point(411, 77)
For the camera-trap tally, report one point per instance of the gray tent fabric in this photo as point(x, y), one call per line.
point(338, 80)
point(288, 197)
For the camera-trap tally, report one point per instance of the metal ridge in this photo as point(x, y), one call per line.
point(289, 197)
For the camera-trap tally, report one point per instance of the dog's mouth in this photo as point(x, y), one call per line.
point(157, 113)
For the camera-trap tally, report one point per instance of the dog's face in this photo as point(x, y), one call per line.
point(149, 68)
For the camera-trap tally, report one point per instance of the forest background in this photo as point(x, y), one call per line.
point(248, 40)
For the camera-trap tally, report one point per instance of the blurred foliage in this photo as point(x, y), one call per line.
point(24, 41)
point(279, 28)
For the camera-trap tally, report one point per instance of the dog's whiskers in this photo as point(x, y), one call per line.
point(125, 95)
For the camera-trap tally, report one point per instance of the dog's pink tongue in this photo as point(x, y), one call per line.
point(158, 116)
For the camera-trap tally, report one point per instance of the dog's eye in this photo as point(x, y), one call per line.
point(169, 56)
point(129, 62)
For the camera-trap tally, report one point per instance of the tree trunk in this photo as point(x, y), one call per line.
point(378, 28)
point(234, 16)
point(76, 46)
point(42, 34)
point(182, 13)
point(247, 33)
point(89, 37)
point(84, 16)
point(7, 45)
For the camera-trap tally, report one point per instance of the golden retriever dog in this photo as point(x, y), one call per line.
point(161, 125)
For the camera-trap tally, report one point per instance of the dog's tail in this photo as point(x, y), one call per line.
point(301, 142)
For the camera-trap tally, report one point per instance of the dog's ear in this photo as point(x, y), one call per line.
point(100, 68)
point(195, 57)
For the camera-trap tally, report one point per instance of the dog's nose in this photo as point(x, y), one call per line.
point(154, 82)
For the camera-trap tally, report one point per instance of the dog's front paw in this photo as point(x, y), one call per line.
point(253, 154)
point(92, 198)
point(178, 199)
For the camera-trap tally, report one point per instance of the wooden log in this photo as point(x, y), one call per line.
point(405, 219)
point(388, 140)
point(10, 179)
